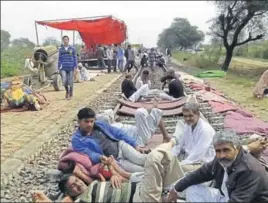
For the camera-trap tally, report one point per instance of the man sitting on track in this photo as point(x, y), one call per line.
point(143, 79)
point(145, 124)
point(175, 88)
point(131, 92)
point(238, 176)
point(100, 140)
point(195, 142)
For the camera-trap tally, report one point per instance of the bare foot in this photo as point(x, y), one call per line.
point(155, 102)
point(40, 197)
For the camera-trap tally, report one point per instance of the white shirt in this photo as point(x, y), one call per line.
point(196, 143)
point(140, 83)
point(223, 186)
point(110, 54)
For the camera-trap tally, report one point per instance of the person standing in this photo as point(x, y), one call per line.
point(100, 56)
point(120, 57)
point(67, 63)
point(152, 58)
point(130, 56)
point(110, 58)
point(115, 50)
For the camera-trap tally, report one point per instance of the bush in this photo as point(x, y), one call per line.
point(9, 69)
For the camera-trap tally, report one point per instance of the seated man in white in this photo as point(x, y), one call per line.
point(83, 72)
point(131, 92)
point(143, 79)
point(145, 124)
point(195, 144)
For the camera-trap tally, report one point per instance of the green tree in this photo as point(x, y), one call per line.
point(5, 39)
point(181, 34)
point(51, 41)
point(23, 43)
point(239, 22)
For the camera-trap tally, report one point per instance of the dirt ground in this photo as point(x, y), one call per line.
point(19, 128)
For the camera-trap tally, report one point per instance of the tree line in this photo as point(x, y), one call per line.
point(237, 24)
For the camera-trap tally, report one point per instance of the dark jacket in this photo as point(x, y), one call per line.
point(247, 178)
point(100, 54)
point(128, 88)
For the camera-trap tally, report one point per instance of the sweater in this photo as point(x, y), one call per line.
point(67, 59)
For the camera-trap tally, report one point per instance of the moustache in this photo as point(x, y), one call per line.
point(225, 160)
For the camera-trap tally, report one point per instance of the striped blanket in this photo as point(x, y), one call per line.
point(104, 192)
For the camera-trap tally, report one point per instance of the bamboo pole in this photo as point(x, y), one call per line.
point(36, 32)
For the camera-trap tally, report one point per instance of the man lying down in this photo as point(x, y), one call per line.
point(162, 169)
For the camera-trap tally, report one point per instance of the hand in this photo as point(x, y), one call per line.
point(257, 146)
point(139, 149)
point(172, 197)
point(104, 160)
point(116, 181)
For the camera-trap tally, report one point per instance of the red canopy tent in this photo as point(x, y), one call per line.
point(95, 30)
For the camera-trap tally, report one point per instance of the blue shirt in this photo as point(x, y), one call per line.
point(87, 145)
point(120, 53)
point(67, 58)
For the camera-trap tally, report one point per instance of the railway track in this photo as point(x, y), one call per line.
point(39, 173)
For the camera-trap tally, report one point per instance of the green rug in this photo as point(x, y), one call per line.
point(211, 74)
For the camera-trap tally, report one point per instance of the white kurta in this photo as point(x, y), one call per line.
point(202, 193)
point(139, 83)
point(197, 144)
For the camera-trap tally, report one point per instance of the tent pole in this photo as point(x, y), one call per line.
point(73, 37)
point(36, 32)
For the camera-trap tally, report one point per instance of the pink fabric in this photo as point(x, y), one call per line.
point(243, 123)
point(244, 113)
point(220, 107)
point(195, 86)
point(211, 95)
point(79, 158)
point(82, 161)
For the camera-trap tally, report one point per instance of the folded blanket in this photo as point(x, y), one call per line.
point(244, 123)
point(81, 160)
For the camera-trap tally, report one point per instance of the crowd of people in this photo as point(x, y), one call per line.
point(141, 90)
point(196, 163)
point(72, 71)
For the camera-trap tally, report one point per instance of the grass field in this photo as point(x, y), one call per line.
point(239, 83)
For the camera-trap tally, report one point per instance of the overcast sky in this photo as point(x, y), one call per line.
point(144, 19)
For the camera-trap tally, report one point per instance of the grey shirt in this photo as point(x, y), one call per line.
point(131, 55)
point(108, 146)
point(100, 53)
